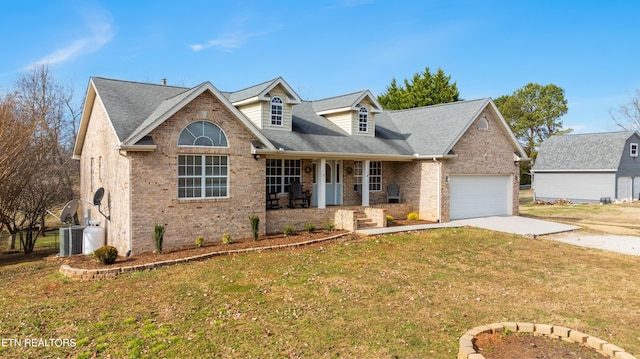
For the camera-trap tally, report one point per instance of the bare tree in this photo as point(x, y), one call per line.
point(41, 174)
point(628, 115)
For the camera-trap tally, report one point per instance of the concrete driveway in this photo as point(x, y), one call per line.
point(516, 224)
point(507, 224)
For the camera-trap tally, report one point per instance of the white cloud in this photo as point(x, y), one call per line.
point(99, 35)
point(227, 42)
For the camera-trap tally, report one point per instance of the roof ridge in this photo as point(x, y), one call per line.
point(138, 82)
point(439, 105)
point(252, 86)
point(337, 96)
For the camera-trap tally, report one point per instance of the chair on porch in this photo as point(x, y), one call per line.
point(273, 202)
point(393, 193)
point(296, 194)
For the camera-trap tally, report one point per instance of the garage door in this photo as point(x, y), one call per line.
point(479, 196)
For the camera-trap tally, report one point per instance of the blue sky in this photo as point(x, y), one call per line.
point(328, 48)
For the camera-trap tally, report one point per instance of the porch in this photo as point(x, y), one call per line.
point(348, 218)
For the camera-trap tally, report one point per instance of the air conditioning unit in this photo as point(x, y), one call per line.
point(71, 240)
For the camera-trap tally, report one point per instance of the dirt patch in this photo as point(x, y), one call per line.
point(526, 346)
point(88, 262)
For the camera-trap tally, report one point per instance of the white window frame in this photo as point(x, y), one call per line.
point(198, 130)
point(633, 150)
point(363, 119)
point(280, 173)
point(207, 179)
point(375, 175)
point(276, 111)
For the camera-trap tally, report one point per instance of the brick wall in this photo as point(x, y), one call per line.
point(111, 172)
point(482, 152)
point(154, 192)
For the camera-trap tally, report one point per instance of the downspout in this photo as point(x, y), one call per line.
point(439, 196)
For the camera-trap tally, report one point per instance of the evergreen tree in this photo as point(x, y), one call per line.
point(423, 89)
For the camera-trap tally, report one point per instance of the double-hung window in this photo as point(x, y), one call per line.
point(203, 175)
point(375, 175)
point(633, 150)
point(280, 173)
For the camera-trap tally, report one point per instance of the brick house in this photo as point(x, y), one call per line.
point(202, 161)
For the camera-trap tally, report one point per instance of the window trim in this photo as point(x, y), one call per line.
point(204, 122)
point(273, 108)
point(283, 173)
point(363, 119)
point(358, 171)
point(633, 150)
point(203, 177)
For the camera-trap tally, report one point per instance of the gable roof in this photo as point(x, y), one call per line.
point(349, 102)
point(134, 109)
point(260, 92)
point(446, 123)
point(590, 151)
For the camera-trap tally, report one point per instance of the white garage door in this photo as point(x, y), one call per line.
point(479, 196)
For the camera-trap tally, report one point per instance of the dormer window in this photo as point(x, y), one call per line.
point(633, 150)
point(276, 111)
point(363, 119)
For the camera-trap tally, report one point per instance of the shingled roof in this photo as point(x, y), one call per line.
point(136, 108)
point(592, 151)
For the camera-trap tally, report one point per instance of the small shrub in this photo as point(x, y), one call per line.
point(106, 254)
point(329, 226)
point(289, 230)
point(199, 241)
point(158, 236)
point(413, 216)
point(389, 219)
point(226, 238)
point(309, 227)
point(255, 220)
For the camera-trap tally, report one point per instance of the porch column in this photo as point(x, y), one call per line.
point(322, 184)
point(365, 183)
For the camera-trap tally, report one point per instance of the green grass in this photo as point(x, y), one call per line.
point(406, 296)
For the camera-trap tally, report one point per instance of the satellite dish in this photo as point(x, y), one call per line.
point(68, 211)
point(97, 197)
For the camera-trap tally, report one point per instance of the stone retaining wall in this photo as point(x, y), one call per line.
point(112, 273)
point(467, 350)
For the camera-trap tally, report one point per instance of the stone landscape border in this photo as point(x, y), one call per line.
point(112, 272)
point(467, 350)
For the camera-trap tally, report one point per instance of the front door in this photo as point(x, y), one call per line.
point(333, 184)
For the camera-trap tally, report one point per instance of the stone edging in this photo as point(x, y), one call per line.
point(112, 273)
point(467, 350)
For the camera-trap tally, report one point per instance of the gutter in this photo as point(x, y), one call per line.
point(332, 155)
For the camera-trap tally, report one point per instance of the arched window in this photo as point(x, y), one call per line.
point(363, 119)
point(276, 111)
point(483, 124)
point(202, 134)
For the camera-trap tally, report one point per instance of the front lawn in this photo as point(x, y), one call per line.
point(406, 296)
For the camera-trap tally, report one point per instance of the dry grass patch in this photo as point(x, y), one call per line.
point(409, 296)
point(620, 219)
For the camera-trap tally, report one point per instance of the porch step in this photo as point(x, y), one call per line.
point(363, 221)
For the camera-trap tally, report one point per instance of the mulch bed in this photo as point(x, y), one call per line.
point(81, 261)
